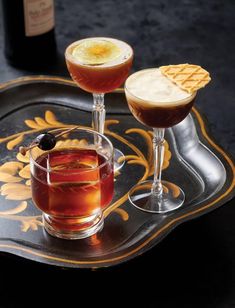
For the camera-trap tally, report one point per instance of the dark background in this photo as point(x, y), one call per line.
point(195, 265)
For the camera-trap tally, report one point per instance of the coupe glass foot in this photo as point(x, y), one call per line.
point(142, 198)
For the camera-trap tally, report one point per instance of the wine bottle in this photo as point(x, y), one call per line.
point(29, 32)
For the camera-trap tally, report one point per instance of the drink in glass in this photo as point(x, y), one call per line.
point(156, 101)
point(73, 183)
point(99, 65)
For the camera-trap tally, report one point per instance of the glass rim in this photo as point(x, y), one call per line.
point(192, 96)
point(89, 131)
point(69, 56)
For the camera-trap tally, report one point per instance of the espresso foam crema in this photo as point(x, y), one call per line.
point(152, 87)
point(126, 52)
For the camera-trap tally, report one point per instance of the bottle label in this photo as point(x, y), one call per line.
point(38, 16)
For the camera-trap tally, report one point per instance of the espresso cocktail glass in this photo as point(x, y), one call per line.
point(99, 65)
point(158, 103)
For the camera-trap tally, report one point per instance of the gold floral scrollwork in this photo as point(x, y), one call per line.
point(27, 222)
point(15, 175)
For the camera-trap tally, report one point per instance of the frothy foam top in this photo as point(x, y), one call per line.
point(154, 88)
point(125, 54)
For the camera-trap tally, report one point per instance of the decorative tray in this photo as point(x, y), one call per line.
point(193, 161)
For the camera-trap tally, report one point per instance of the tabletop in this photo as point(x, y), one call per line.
point(194, 266)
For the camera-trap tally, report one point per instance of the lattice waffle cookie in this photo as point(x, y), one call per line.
point(188, 77)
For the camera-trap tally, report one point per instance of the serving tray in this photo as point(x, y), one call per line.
point(193, 161)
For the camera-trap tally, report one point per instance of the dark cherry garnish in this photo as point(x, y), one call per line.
point(46, 141)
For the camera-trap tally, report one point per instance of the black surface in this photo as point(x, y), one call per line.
point(195, 265)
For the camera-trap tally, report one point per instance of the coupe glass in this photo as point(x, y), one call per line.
point(101, 78)
point(157, 196)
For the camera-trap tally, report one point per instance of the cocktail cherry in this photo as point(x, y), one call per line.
point(45, 141)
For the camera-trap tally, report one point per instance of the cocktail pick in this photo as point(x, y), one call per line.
point(45, 141)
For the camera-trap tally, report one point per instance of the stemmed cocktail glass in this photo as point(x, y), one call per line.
point(157, 102)
point(99, 65)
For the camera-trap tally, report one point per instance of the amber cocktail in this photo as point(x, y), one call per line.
point(73, 183)
point(99, 65)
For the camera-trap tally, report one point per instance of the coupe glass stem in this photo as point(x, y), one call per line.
point(158, 148)
point(98, 112)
